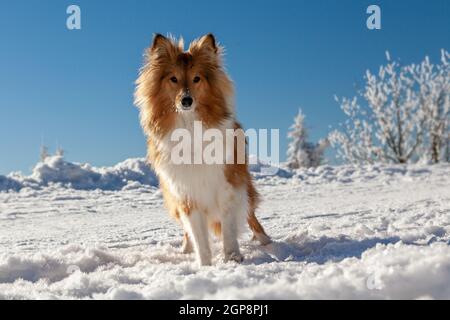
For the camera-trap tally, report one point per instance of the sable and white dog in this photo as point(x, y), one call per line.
point(175, 88)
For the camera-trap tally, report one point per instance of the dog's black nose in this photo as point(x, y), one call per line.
point(187, 102)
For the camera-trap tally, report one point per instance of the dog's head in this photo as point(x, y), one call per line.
point(174, 83)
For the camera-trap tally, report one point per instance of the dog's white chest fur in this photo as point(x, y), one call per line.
point(203, 184)
point(212, 199)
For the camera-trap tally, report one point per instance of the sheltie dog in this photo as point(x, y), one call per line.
point(175, 88)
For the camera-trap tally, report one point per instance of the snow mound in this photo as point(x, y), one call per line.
point(360, 173)
point(54, 170)
point(85, 177)
point(7, 183)
point(261, 169)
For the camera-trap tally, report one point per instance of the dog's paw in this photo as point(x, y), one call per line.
point(204, 261)
point(186, 248)
point(234, 256)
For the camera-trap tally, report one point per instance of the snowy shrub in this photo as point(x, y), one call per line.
point(302, 153)
point(433, 82)
point(405, 116)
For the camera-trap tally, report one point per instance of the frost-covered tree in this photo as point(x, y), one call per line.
point(433, 85)
point(296, 156)
point(44, 153)
point(318, 155)
point(59, 152)
point(404, 108)
point(302, 153)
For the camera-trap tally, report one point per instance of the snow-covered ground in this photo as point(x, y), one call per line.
point(75, 231)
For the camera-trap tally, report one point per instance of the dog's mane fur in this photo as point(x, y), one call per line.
point(156, 110)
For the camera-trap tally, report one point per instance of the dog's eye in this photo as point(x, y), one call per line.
point(174, 79)
point(197, 79)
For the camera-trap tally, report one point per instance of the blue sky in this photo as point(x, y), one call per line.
point(75, 88)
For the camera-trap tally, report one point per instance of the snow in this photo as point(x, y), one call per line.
point(79, 232)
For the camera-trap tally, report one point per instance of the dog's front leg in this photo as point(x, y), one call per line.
point(230, 238)
point(196, 227)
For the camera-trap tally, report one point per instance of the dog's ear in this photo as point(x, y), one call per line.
point(164, 48)
point(159, 42)
point(206, 44)
point(209, 41)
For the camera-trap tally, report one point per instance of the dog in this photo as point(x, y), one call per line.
point(174, 89)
